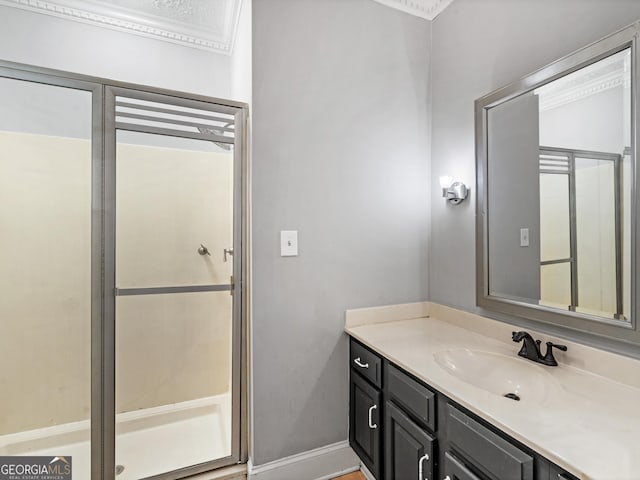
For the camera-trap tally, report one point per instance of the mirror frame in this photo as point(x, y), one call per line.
point(626, 331)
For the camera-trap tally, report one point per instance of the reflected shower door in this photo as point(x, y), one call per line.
point(46, 269)
point(581, 231)
point(175, 305)
point(555, 239)
point(598, 235)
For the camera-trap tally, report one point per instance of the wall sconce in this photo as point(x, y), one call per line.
point(455, 192)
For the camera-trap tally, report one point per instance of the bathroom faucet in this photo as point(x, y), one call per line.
point(531, 349)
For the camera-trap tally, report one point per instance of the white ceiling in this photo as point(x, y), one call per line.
point(203, 24)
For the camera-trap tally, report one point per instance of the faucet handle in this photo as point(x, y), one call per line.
point(549, 359)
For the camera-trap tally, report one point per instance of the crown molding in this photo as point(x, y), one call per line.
point(548, 102)
point(611, 72)
point(427, 9)
point(101, 14)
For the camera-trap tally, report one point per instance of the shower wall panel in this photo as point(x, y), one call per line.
point(169, 201)
point(180, 344)
point(45, 279)
point(174, 347)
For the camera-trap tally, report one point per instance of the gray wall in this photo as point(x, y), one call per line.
point(478, 46)
point(514, 198)
point(340, 153)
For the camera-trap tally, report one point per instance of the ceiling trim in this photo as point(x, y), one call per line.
point(554, 100)
point(114, 17)
point(611, 72)
point(427, 9)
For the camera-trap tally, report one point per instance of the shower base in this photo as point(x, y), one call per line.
point(148, 442)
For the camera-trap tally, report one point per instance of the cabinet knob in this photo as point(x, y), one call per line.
point(358, 362)
point(371, 424)
point(421, 467)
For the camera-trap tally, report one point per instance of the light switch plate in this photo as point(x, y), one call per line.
point(524, 237)
point(289, 243)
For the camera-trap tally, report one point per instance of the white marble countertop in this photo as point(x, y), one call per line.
point(586, 423)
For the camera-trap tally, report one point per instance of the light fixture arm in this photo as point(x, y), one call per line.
point(455, 193)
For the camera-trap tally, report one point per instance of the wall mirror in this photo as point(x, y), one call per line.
point(556, 202)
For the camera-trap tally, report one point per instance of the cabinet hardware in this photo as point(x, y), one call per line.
point(371, 424)
point(420, 466)
point(447, 478)
point(360, 364)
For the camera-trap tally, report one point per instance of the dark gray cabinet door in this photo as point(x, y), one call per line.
point(408, 448)
point(487, 451)
point(364, 423)
point(454, 469)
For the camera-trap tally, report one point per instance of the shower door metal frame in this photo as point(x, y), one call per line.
point(111, 126)
point(103, 259)
point(571, 155)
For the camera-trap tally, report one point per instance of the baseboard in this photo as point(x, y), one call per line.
point(320, 464)
point(367, 474)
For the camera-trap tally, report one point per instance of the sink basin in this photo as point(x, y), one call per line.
point(513, 377)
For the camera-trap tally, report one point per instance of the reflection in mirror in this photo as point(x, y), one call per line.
point(559, 180)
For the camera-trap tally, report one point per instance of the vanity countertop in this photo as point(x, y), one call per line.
point(585, 422)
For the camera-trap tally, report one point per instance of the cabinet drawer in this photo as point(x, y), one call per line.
point(413, 397)
point(454, 469)
point(489, 453)
point(365, 362)
point(556, 473)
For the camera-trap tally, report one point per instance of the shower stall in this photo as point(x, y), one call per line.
point(582, 231)
point(123, 230)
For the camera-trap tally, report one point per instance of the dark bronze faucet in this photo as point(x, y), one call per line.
point(531, 349)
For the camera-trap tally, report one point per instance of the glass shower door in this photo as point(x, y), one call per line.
point(174, 297)
point(46, 158)
point(121, 220)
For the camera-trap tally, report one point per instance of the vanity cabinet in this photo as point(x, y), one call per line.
point(556, 473)
point(365, 412)
point(409, 427)
point(426, 435)
point(476, 448)
point(455, 469)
